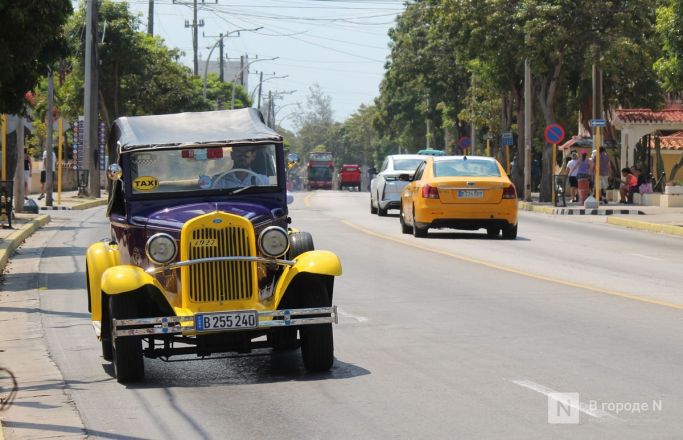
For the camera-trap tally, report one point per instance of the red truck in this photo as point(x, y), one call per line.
point(320, 170)
point(349, 176)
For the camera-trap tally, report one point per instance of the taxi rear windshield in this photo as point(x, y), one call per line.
point(466, 167)
point(203, 169)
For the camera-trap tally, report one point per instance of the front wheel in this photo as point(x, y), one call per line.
point(127, 350)
point(317, 341)
point(373, 209)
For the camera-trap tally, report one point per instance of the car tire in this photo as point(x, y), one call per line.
point(492, 232)
point(510, 232)
point(373, 210)
point(299, 242)
point(404, 227)
point(380, 212)
point(105, 330)
point(127, 357)
point(284, 338)
point(317, 341)
point(418, 232)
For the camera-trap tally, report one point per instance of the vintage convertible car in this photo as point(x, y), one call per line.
point(201, 258)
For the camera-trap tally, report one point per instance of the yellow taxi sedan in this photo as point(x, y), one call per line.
point(459, 192)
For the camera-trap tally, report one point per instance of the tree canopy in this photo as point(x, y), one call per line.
point(32, 39)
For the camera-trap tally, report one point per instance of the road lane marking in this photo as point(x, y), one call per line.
point(307, 200)
point(516, 271)
point(580, 406)
point(645, 256)
point(348, 315)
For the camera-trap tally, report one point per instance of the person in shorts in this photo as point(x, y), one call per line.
point(573, 168)
point(43, 173)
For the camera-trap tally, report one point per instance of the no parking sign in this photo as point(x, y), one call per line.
point(554, 133)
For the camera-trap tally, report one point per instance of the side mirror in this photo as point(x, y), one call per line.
point(290, 198)
point(405, 177)
point(114, 172)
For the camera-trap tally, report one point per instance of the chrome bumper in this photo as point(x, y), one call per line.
point(173, 324)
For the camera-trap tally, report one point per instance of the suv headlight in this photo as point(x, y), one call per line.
point(161, 248)
point(273, 241)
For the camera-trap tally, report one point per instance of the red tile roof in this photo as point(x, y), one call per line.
point(669, 142)
point(645, 115)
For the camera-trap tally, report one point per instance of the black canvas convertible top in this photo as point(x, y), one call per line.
point(216, 127)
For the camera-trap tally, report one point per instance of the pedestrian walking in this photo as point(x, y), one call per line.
point(43, 173)
point(573, 168)
point(28, 167)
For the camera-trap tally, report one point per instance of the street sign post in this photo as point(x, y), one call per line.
point(554, 133)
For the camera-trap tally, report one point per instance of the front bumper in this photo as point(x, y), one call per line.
point(186, 325)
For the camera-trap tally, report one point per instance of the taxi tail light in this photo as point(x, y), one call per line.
point(509, 192)
point(430, 192)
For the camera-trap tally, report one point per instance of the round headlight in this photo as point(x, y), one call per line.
point(161, 248)
point(273, 241)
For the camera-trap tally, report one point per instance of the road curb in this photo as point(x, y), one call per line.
point(89, 204)
point(653, 227)
point(12, 242)
point(528, 206)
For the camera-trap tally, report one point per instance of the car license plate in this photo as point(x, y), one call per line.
point(470, 194)
point(226, 320)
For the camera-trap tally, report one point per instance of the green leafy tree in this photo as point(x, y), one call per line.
point(669, 66)
point(314, 121)
point(31, 40)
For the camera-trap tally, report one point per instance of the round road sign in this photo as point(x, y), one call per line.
point(554, 133)
point(465, 142)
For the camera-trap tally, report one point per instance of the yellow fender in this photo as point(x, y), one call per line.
point(126, 278)
point(100, 256)
point(316, 262)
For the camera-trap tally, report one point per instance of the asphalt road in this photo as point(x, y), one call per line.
point(452, 336)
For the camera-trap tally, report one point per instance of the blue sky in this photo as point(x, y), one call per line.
point(340, 45)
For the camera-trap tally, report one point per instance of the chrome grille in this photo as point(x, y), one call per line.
point(225, 280)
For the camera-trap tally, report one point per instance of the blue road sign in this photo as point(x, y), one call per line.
point(598, 123)
point(506, 138)
point(465, 142)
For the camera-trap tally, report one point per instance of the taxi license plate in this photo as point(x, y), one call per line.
point(470, 194)
point(226, 320)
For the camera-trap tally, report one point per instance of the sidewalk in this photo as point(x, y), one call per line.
point(23, 225)
point(647, 218)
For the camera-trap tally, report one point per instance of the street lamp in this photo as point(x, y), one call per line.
point(219, 40)
point(246, 66)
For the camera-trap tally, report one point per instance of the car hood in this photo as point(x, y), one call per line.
point(176, 216)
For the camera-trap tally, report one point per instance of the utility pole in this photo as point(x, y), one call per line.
point(49, 175)
point(527, 130)
point(220, 54)
point(90, 156)
point(150, 18)
point(260, 84)
point(195, 25)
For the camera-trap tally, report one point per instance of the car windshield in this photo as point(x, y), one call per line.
point(320, 173)
point(466, 167)
point(406, 164)
point(199, 169)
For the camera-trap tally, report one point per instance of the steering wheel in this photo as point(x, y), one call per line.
point(222, 176)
